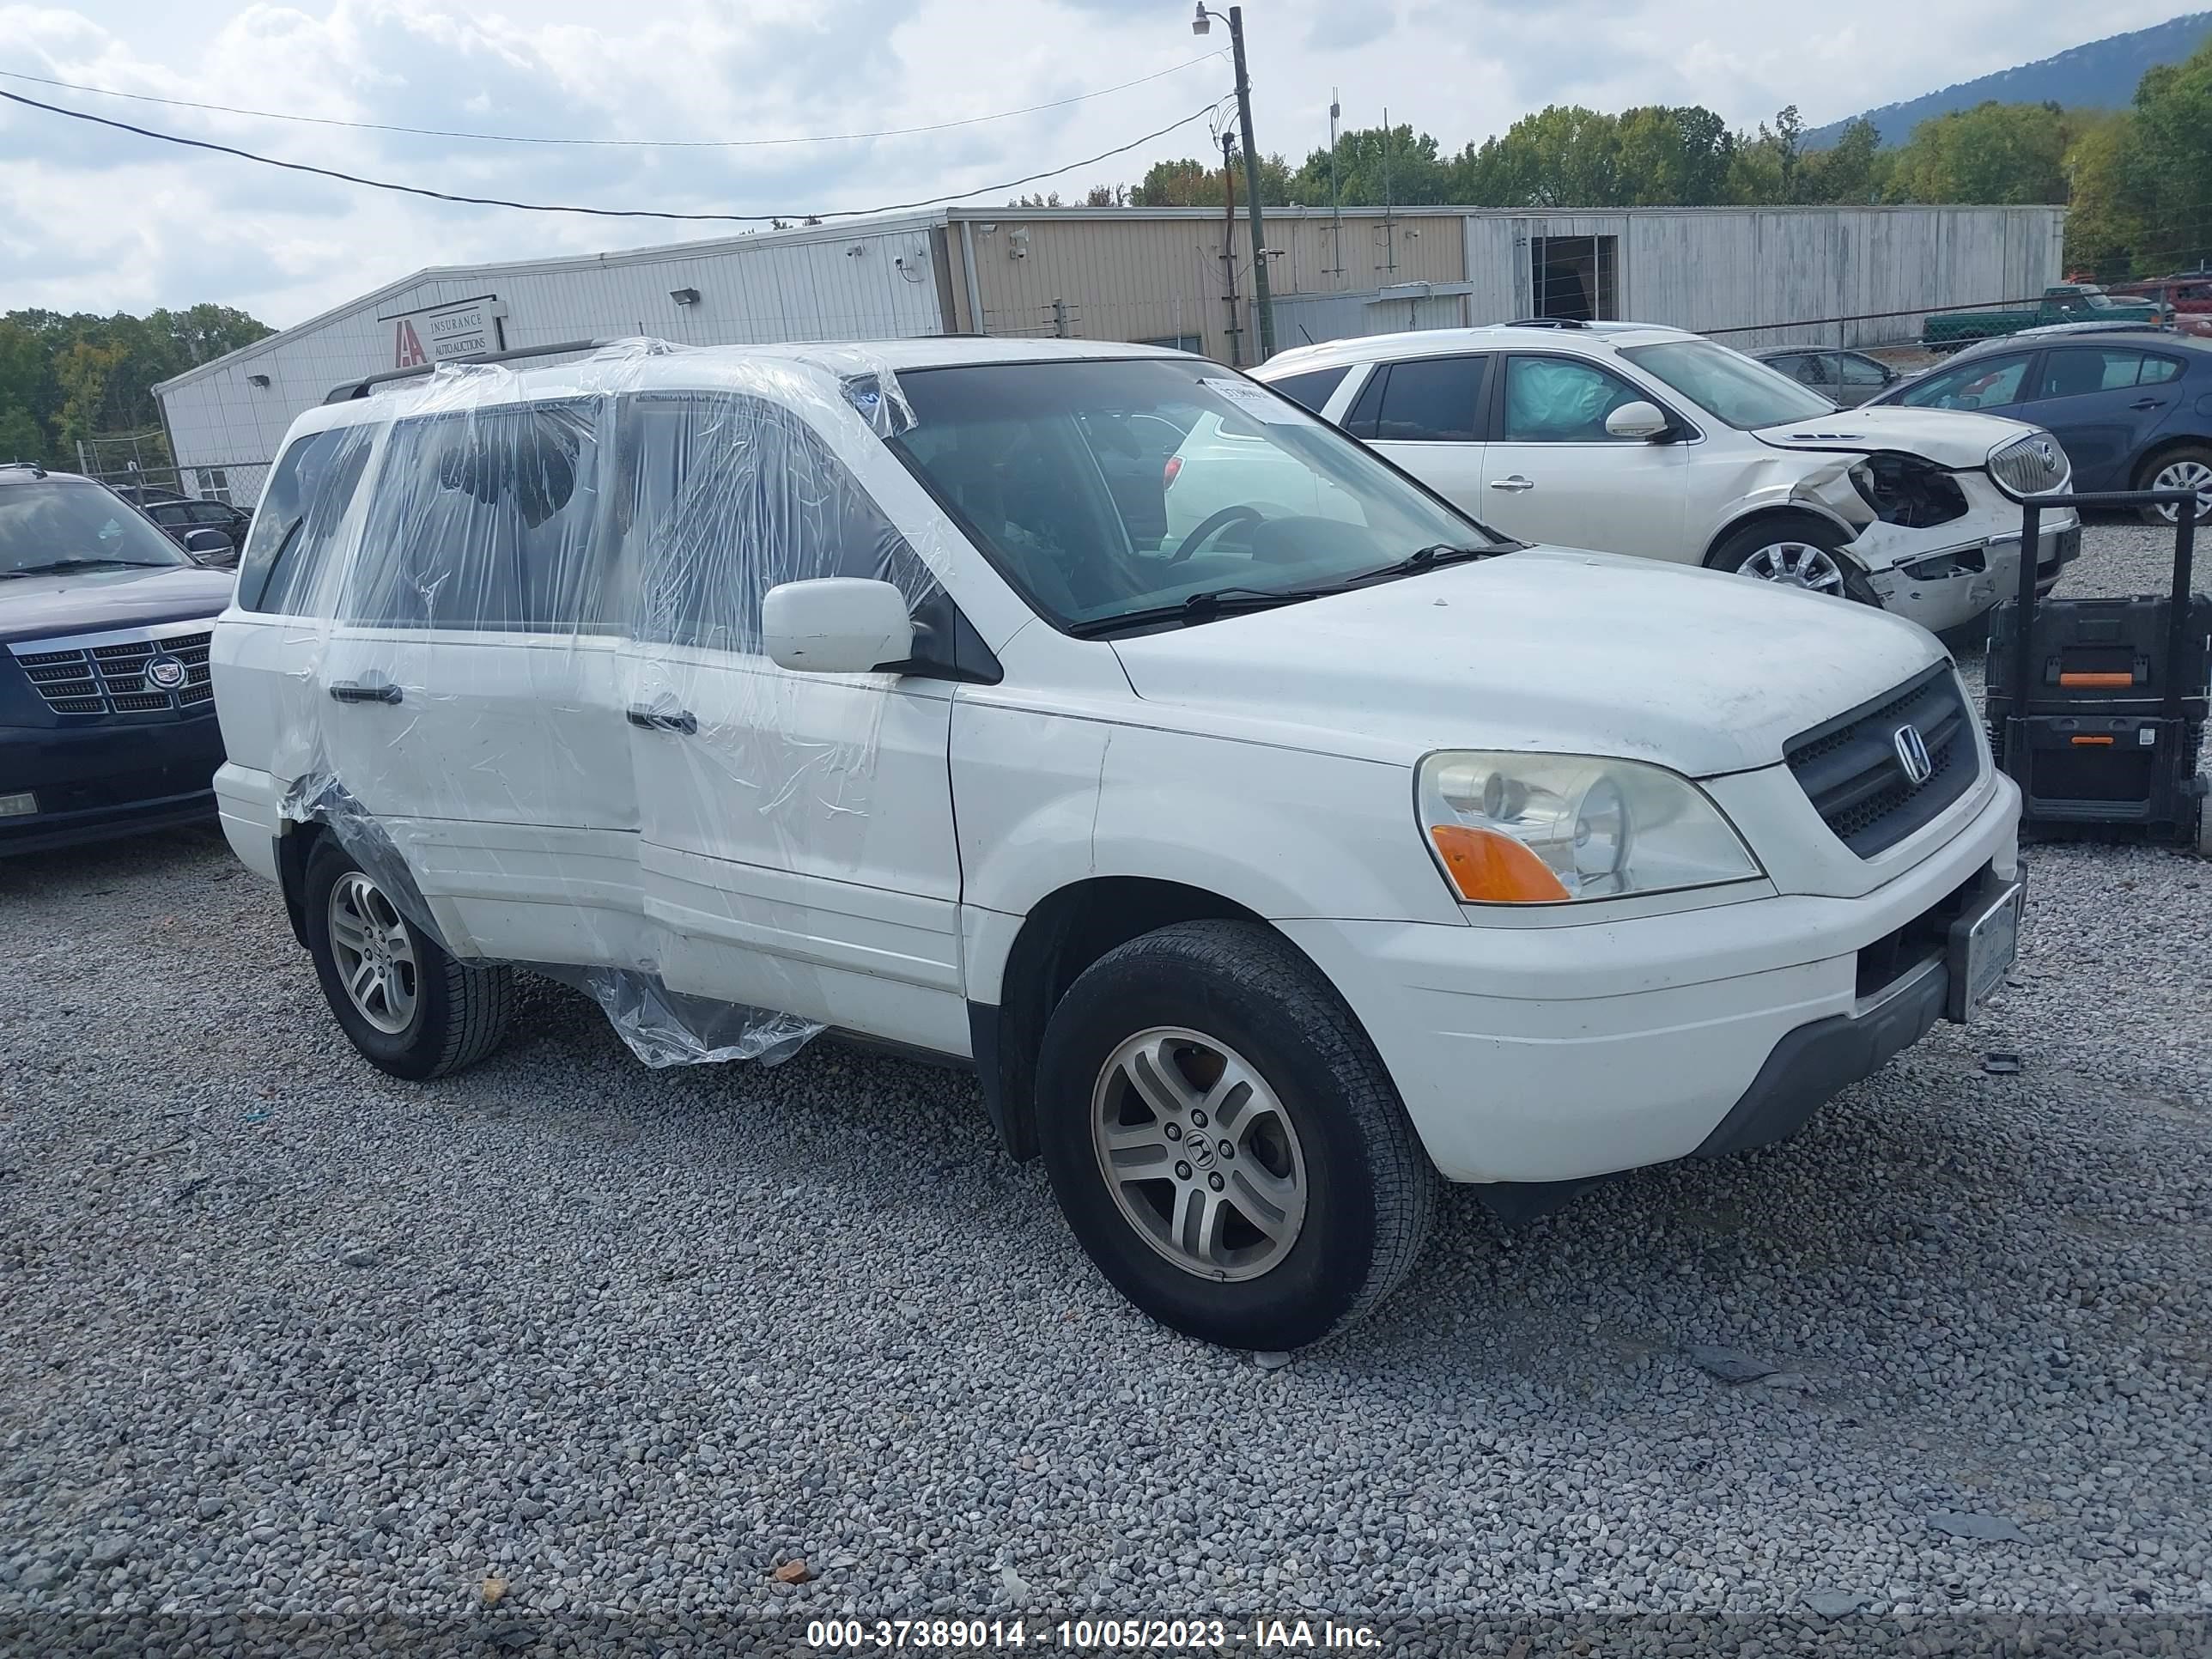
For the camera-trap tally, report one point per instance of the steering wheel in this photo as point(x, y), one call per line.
point(1213, 525)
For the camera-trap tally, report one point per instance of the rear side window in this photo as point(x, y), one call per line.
point(1431, 400)
point(1984, 383)
point(292, 535)
point(1314, 388)
point(485, 520)
point(2076, 373)
point(720, 497)
point(1360, 419)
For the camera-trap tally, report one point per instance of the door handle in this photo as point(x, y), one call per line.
point(1516, 482)
point(2147, 403)
point(663, 719)
point(355, 691)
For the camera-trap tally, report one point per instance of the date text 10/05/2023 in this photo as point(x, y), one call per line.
point(1092, 1635)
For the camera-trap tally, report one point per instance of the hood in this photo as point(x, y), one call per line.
point(1956, 438)
point(1548, 649)
point(94, 601)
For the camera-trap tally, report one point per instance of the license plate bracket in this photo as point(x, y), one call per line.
point(1981, 947)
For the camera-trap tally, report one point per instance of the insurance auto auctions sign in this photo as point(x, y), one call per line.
point(468, 328)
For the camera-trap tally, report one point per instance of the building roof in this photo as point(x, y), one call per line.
point(841, 228)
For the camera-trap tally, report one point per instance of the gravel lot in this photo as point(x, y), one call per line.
point(281, 1334)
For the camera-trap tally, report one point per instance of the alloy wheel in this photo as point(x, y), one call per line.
point(1199, 1154)
point(2185, 475)
point(374, 954)
point(1795, 564)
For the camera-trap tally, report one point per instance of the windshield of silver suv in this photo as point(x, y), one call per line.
point(1727, 385)
point(1134, 490)
point(48, 525)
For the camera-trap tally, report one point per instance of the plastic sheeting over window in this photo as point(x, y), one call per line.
point(537, 712)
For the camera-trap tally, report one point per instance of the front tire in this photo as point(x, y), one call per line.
point(2189, 467)
point(1225, 1141)
point(1795, 552)
point(406, 1005)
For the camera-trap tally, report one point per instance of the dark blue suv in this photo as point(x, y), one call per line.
point(107, 715)
point(2132, 407)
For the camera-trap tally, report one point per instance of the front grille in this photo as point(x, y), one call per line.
point(112, 679)
point(2032, 465)
point(1851, 770)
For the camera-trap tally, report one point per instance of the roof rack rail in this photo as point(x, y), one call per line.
point(33, 467)
point(346, 391)
point(1547, 322)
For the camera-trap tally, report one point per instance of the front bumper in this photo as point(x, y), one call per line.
point(1955, 581)
point(1567, 1051)
point(121, 778)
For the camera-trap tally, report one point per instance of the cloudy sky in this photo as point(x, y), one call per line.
point(93, 219)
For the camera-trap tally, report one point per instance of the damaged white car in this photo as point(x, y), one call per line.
point(1633, 438)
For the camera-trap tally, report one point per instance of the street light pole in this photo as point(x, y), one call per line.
point(1261, 301)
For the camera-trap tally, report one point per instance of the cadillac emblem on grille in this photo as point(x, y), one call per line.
point(1912, 755)
point(164, 673)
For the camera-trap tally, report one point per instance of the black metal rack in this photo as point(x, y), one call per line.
point(2114, 747)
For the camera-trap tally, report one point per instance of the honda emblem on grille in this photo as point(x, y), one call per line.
point(164, 673)
point(1912, 755)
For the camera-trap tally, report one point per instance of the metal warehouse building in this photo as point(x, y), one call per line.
point(1757, 275)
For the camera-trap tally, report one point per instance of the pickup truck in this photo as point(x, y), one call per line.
point(2187, 299)
point(2065, 302)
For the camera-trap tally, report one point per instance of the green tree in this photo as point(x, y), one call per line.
point(1374, 165)
point(2170, 173)
point(1192, 183)
point(2004, 154)
point(2108, 225)
point(1855, 168)
point(21, 437)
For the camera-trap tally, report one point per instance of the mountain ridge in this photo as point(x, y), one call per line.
point(2097, 75)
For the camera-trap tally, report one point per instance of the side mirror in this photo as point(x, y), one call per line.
point(1638, 420)
point(210, 546)
point(835, 625)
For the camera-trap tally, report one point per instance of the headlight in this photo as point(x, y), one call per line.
point(1552, 829)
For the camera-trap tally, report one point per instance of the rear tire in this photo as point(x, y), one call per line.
point(1269, 1189)
point(1799, 551)
point(415, 1011)
point(2188, 467)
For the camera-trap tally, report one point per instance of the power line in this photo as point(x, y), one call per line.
point(597, 212)
point(634, 144)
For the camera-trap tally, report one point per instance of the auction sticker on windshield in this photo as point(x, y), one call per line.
point(1249, 399)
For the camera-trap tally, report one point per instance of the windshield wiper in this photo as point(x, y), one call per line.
point(1432, 558)
point(56, 566)
point(1199, 607)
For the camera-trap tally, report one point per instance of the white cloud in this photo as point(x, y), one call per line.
point(95, 220)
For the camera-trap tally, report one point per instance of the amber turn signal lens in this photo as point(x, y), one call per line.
point(1490, 868)
point(2093, 742)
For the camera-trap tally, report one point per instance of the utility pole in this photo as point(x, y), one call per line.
point(1262, 301)
point(1335, 200)
point(1229, 246)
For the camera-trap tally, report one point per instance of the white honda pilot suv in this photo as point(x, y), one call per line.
point(1638, 439)
point(1265, 873)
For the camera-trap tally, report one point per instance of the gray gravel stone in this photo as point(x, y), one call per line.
point(1729, 1365)
point(1989, 1528)
point(657, 1306)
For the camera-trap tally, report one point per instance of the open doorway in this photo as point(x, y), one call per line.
point(1574, 277)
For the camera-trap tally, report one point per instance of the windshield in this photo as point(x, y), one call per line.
point(56, 521)
point(1728, 386)
point(1103, 488)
